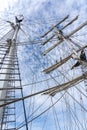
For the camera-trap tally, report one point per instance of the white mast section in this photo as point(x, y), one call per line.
point(5, 84)
point(12, 44)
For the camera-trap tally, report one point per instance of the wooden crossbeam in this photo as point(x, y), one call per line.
point(7, 59)
point(66, 85)
point(80, 78)
point(11, 68)
point(9, 129)
point(53, 67)
point(10, 80)
point(2, 50)
point(55, 26)
point(12, 57)
point(2, 53)
point(63, 61)
point(9, 114)
point(10, 99)
point(74, 19)
point(43, 43)
point(9, 73)
point(10, 108)
point(7, 63)
point(61, 29)
point(67, 36)
point(10, 88)
point(8, 121)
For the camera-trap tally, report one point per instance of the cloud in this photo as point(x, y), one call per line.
point(39, 16)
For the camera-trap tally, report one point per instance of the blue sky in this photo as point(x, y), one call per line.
point(39, 16)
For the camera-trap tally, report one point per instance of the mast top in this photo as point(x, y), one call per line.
point(19, 18)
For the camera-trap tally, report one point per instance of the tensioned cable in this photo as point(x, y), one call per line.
point(82, 112)
point(6, 35)
point(27, 27)
point(36, 109)
point(32, 100)
point(39, 81)
point(42, 112)
point(63, 116)
point(39, 41)
point(56, 117)
point(78, 41)
point(45, 120)
point(77, 101)
point(73, 113)
point(80, 35)
point(25, 33)
point(68, 113)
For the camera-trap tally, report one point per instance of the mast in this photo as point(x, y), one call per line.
point(62, 38)
point(58, 84)
point(8, 89)
point(66, 37)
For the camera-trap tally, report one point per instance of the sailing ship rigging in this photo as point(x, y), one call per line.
point(61, 92)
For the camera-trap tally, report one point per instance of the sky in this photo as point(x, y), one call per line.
point(39, 16)
point(5, 4)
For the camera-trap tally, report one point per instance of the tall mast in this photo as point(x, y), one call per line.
point(9, 80)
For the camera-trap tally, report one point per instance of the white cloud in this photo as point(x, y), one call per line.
point(40, 12)
point(4, 4)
